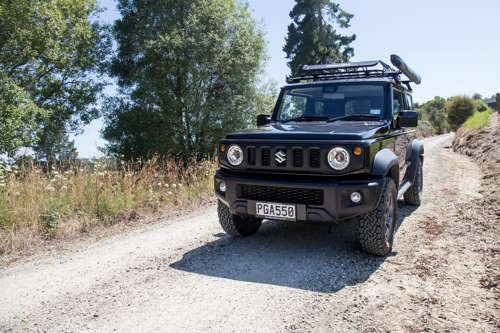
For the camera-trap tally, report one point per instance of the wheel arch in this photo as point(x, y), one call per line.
point(415, 152)
point(386, 163)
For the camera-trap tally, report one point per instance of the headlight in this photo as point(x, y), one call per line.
point(338, 158)
point(235, 155)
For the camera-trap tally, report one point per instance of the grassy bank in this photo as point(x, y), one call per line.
point(478, 119)
point(37, 206)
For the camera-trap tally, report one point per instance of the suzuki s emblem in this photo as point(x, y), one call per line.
point(280, 156)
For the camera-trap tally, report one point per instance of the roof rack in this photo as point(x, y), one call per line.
point(357, 70)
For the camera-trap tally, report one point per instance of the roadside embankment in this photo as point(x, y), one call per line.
point(483, 145)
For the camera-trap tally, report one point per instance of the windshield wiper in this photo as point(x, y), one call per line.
point(355, 116)
point(306, 118)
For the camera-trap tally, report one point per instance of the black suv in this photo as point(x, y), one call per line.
point(337, 146)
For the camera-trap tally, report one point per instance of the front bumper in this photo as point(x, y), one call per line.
point(334, 207)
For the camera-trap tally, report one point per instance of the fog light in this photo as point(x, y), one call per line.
point(222, 187)
point(356, 197)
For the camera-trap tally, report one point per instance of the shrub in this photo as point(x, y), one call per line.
point(434, 113)
point(424, 129)
point(458, 109)
point(481, 106)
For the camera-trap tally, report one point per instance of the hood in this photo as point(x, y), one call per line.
point(317, 130)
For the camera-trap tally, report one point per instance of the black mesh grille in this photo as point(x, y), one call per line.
point(314, 158)
point(252, 156)
point(298, 158)
point(282, 194)
point(266, 156)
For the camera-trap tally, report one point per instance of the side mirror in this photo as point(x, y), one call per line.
point(263, 119)
point(407, 119)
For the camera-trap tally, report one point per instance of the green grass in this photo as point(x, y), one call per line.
point(478, 120)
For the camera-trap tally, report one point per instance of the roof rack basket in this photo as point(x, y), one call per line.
point(357, 70)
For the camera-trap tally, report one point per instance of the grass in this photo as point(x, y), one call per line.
point(478, 119)
point(37, 206)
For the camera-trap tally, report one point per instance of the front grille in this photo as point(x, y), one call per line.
point(281, 194)
point(314, 158)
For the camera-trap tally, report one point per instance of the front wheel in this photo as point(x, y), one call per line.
point(377, 227)
point(236, 225)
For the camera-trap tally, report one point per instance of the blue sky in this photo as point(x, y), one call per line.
point(454, 45)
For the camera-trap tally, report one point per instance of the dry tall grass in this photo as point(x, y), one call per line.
point(36, 206)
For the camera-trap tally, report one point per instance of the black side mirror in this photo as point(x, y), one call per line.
point(263, 119)
point(407, 119)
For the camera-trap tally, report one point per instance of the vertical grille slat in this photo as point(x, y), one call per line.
point(314, 158)
point(266, 156)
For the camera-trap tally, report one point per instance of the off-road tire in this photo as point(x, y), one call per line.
point(236, 225)
point(412, 195)
point(372, 226)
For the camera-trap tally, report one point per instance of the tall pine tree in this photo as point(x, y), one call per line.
point(313, 36)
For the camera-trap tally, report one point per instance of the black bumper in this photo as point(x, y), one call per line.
point(335, 204)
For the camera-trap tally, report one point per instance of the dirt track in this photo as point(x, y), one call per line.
point(186, 275)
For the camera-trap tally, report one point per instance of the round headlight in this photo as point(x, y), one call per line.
point(338, 158)
point(235, 155)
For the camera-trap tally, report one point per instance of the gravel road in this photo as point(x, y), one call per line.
point(186, 275)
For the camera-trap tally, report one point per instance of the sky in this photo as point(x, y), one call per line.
point(453, 44)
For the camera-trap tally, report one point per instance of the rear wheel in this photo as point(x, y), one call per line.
point(377, 227)
point(412, 195)
point(236, 225)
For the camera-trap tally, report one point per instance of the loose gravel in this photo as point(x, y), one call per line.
point(186, 275)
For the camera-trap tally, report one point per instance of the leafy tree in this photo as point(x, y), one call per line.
point(477, 96)
point(188, 73)
point(54, 57)
point(266, 96)
point(434, 112)
point(19, 116)
point(458, 109)
point(313, 36)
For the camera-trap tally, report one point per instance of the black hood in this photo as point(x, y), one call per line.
point(320, 130)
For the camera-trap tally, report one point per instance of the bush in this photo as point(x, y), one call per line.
point(434, 114)
point(458, 109)
point(425, 129)
point(481, 106)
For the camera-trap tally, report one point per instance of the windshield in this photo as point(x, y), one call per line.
point(332, 101)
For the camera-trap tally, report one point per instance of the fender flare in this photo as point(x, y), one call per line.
point(386, 162)
point(415, 152)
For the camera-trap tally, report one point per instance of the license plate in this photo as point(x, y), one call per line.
point(275, 211)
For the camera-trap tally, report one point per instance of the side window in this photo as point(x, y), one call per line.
point(319, 108)
point(397, 102)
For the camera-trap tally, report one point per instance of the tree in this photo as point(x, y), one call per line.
point(434, 112)
point(54, 57)
point(19, 116)
point(313, 37)
point(188, 74)
point(458, 109)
